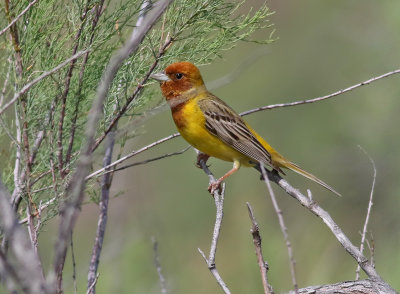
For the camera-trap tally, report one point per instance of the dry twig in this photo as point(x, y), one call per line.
point(283, 228)
point(370, 203)
point(263, 265)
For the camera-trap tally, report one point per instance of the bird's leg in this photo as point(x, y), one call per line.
point(217, 184)
point(201, 156)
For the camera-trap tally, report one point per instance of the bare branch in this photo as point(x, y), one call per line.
point(283, 227)
point(370, 203)
point(18, 17)
point(337, 93)
point(38, 79)
point(219, 203)
point(312, 206)
point(263, 265)
point(103, 216)
point(163, 285)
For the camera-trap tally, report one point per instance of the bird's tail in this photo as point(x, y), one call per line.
point(294, 167)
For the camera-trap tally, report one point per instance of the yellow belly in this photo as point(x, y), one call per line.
point(191, 124)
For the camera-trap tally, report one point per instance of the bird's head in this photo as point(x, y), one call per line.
point(180, 81)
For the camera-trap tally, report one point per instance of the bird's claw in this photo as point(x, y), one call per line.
point(200, 157)
point(215, 186)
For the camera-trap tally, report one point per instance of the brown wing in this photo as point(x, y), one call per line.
point(224, 123)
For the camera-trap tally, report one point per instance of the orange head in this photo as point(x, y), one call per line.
point(180, 81)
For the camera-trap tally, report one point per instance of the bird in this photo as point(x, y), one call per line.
point(214, 128)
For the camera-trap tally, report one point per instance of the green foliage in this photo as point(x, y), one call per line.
point(51, 32)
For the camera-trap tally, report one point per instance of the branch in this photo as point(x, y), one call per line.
point(27, 263)
point(219, 203)
point(38, 79)
point(18, 17)
point(283, 227)
point(70, 210)
point(370, 203)
point(263, 265)
point(337, 93)
point(362, 286)
point(312, 206)
point(103, 215)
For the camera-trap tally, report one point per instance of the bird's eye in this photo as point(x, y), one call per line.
point(178, 75)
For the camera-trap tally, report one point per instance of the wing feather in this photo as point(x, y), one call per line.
point(224, 123)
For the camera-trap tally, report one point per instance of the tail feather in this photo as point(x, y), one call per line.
point(294, 167)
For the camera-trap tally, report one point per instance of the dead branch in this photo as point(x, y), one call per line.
point(312, 206)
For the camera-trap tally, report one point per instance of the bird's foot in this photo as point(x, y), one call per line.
point(202, 156)
point(215, 186)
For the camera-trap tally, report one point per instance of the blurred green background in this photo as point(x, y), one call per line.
point(322, 46)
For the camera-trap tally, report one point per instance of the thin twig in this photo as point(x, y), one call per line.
point(98, 10)
point(3, 91)
point(135, 93)
point(337, 93)
point(157, 263)
point(219, 203)
point(18, 17)
point(370, 203)
point(38, 79)
point(133, 153)
point(283, 228)
point(40, 208)
point(103, 216)
point(263, 265)
point(93, 284)
point(148, 160)
point(67, 82)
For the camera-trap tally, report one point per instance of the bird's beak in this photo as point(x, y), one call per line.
point(161, 77)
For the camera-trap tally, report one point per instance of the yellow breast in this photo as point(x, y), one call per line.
point(190, 122)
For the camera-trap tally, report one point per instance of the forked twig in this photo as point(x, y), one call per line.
point(263, 265)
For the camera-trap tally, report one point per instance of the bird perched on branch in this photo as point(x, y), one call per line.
point(214, 128)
